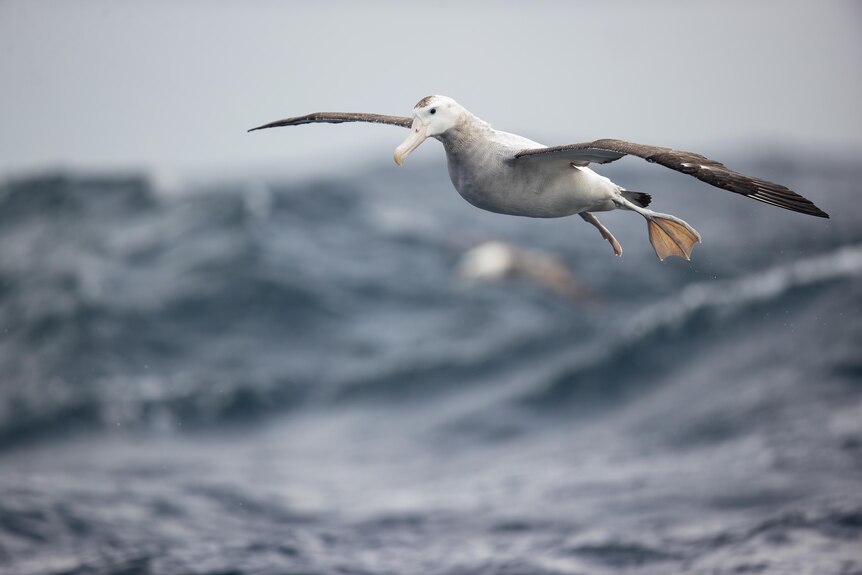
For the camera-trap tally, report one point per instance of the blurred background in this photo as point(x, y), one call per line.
point(224, 352)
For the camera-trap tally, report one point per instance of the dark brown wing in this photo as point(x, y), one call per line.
point(338, 118)
point(702, 168)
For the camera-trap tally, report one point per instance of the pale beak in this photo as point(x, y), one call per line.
point(416, 137)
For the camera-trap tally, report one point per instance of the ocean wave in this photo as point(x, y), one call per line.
point(650, 344)
point(123, 305)
point(726, 296)
point(706, 427)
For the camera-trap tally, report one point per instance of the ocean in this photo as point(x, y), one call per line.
point(286, 375)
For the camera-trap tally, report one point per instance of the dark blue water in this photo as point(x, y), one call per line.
point(286, 376)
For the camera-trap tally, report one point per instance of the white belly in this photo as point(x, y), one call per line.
point(534, 191)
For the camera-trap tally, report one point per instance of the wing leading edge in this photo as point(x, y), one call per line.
point(338, 118)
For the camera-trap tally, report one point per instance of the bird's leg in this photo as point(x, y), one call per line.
point(669, 235)
point(590, 218)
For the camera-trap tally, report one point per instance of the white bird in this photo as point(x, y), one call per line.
point(509, 174)
point(493, 261)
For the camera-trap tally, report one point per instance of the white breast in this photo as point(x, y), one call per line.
point(484, 173)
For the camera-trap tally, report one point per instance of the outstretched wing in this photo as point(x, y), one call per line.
point(702, 168)
point(338, 118)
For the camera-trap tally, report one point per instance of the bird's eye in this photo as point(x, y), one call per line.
point(433, 111)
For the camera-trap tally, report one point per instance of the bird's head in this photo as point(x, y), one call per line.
point(432, 116)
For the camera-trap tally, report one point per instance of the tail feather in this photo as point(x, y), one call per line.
point(641, 199)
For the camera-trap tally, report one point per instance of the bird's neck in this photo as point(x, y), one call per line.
point(469, 132)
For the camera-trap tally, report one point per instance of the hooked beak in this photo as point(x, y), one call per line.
point(416, 137)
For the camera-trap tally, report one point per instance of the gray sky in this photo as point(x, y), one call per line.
point(174, 85)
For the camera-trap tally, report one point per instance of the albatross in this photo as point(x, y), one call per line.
point(509, 174)
point(494, 260)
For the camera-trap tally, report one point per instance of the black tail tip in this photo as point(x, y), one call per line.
point(642, 199)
